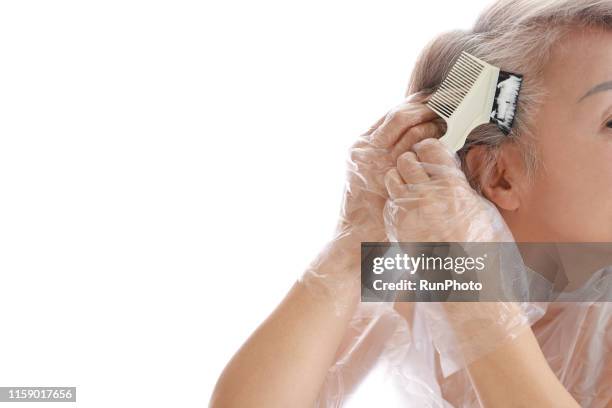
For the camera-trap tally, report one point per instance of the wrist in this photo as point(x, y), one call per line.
point(336, 272)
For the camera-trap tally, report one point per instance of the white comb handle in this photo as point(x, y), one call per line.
point(474, 110)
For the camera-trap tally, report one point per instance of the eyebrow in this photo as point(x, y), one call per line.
point(604, 86)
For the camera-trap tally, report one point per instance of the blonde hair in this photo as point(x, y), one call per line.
point(516, 36)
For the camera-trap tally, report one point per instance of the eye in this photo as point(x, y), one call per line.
point(609, 124)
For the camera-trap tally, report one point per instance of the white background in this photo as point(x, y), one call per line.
point(167, 170)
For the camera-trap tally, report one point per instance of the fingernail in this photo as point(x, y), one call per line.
point(424, 142)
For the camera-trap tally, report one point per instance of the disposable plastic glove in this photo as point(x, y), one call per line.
point(336, 269)
point(431, 200)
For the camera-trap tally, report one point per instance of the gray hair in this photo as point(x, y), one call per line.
point(516, 36)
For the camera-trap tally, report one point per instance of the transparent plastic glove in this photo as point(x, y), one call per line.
point(336, 270)
point(405, 357)
point(430, 200)
point(574, 338)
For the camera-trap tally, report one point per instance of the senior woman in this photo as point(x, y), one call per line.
point(549, 180)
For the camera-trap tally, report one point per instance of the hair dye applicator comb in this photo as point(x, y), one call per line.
point(474, 93)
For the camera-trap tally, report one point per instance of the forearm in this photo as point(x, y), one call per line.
point(516, 374)
point(285, 361)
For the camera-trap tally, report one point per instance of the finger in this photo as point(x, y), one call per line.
point(394, 184)
point(417, 97)
point(375, 126)
point(433, 151)
point(398, 121)
point(414, 135)
point(365, 158)
point(411, 170)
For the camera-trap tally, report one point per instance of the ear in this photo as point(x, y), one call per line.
point(502, 185)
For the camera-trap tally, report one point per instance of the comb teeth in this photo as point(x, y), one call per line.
point(456, 85)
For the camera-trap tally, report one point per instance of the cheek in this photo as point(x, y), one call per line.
point(572, 197)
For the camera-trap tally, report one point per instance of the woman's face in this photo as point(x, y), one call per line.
point(571, 199)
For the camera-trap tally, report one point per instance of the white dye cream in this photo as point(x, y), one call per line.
point(506, 100)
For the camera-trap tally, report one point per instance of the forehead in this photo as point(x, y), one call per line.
point(582, 59)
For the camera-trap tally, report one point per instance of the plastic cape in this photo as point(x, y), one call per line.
point(404, 185)
point(389, 356)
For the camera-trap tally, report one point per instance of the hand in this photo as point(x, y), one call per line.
point(431, 200)
point(337, 267)
point(370, 158)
